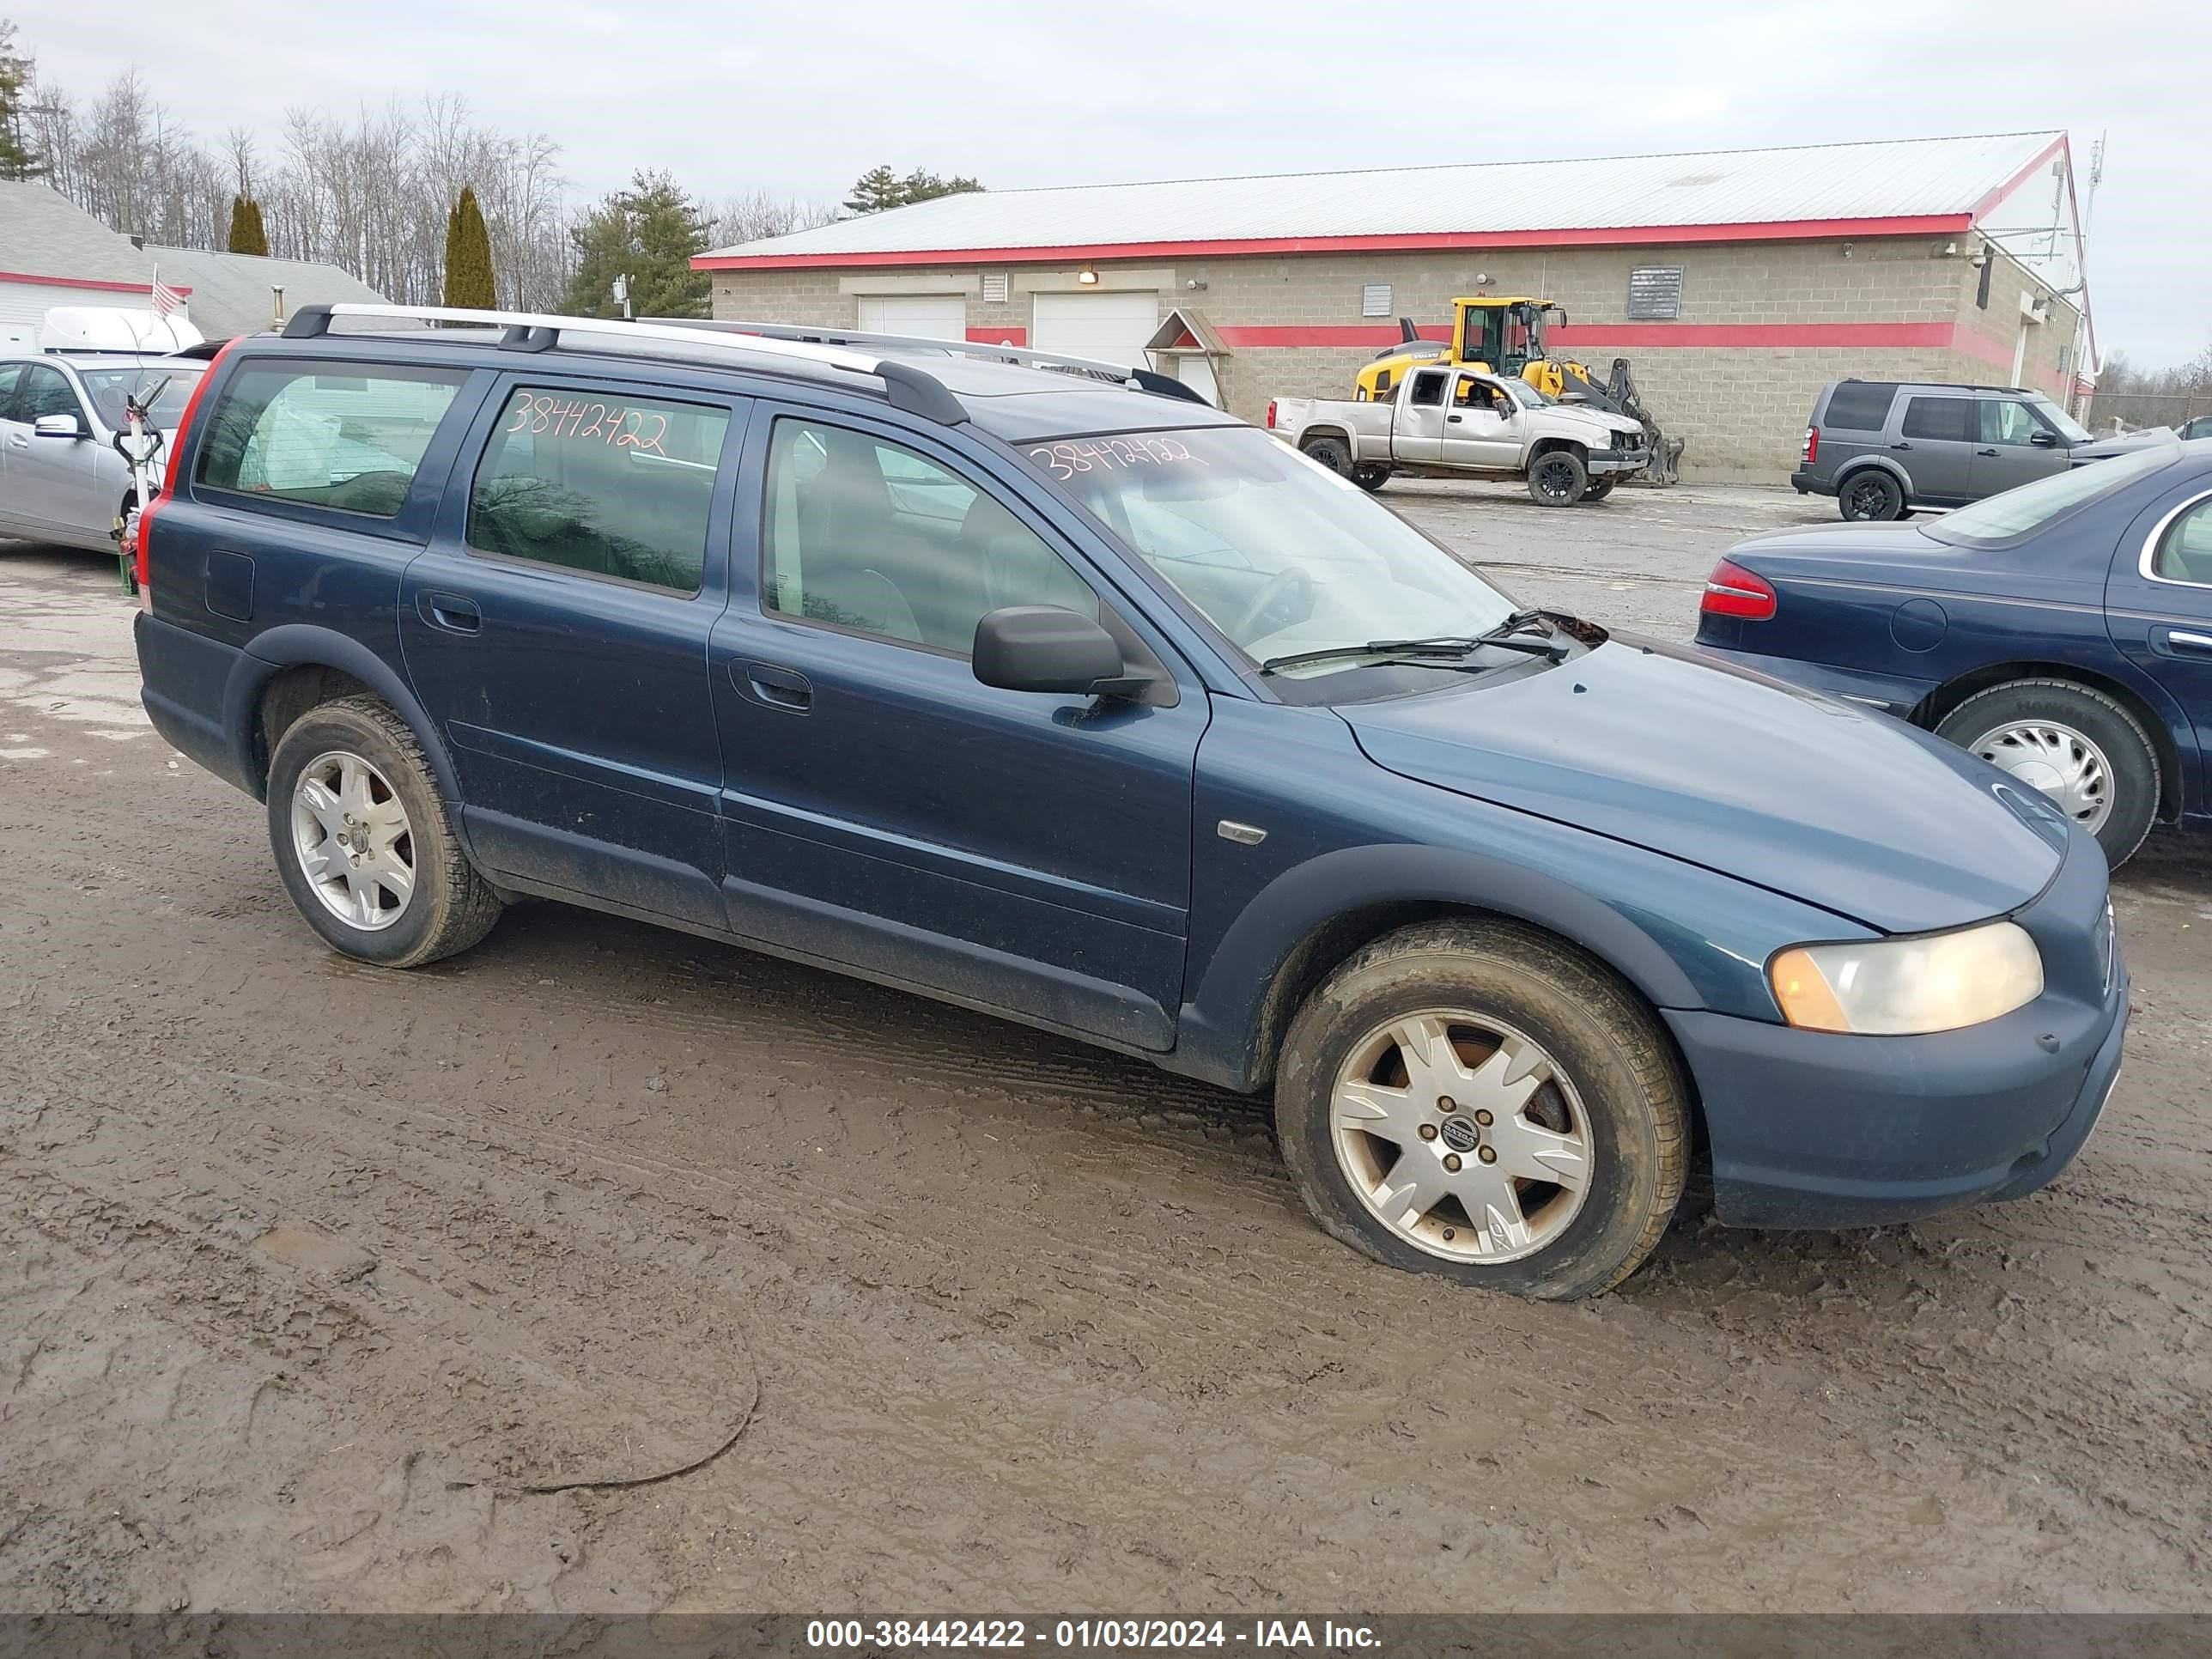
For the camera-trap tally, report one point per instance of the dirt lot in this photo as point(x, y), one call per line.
point(607, 1268)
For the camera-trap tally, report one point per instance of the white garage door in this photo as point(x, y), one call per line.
point(1112, 327)
point(930, 316)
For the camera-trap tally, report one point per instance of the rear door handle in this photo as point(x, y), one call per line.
point(779, 688)
point(450, 612)
point(2188, 639)
point(1901, 445)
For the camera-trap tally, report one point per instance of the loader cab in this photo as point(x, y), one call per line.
point(1506, 334)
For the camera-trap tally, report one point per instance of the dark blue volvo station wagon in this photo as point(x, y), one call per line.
point(1029, 686)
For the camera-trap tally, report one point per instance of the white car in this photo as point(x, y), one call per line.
point(61, 479)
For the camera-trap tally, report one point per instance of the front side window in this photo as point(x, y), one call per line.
point(1280, 555)
point(1999, 518)
point(345, 438)
point(1940, 419)
point(2007, 421)
point(868, 535)
point(604, 483)
point(2066, 426)
point(2185, 552)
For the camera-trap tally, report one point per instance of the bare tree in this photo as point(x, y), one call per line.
point(755, 216)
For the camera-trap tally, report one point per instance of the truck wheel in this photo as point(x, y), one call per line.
point(2077, 745)
point(1599, 489)
point(1332, 453)
point(1557, 479)
point(1478, 1101)
point(363, 844)
point(1870, 496)
point(1370, 476)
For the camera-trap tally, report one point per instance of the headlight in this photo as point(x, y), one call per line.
point(1909, 986)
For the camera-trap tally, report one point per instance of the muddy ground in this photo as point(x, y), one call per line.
point(608, 1268)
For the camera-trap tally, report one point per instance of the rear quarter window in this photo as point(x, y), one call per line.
point(1859, 405)
point(345, 437)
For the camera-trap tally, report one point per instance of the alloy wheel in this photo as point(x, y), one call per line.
point(1556, 479)
point(1461, 1135)
point(2056, 759)
point(353, 840)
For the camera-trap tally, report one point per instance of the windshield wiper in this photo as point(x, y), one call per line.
point(1440, 649)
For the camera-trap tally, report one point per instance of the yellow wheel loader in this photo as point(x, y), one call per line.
point(1506, 334)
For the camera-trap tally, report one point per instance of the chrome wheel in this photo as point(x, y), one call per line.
point(353, 840)
point(2059, 761)
point(1461, 1135)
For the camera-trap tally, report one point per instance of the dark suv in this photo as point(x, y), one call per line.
point(1883, 447)
point(1047, 693)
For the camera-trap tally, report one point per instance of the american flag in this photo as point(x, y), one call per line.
point(166, 299)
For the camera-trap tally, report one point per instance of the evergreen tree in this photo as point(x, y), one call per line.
point(247, 234)
point(650, 233)
point(880, 188)
point(469, 280)
point(17, 160)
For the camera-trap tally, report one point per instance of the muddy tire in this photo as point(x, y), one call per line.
point(1557, 478)
point(364, 845)
point(1870, 496)
point(1332, 453)
point(1370, 476)
point(2080, 747)
point(1499, 1061)
point(1599, 489)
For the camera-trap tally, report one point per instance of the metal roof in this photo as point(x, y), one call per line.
point(43, 233)
point(230, 291)
point(1912, 178)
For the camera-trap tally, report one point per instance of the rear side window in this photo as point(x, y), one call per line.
point(1429, 386)
point(1859, 405)
point(1940, 419)
point(348, 439)
point(2185, 552)
point(613, 486)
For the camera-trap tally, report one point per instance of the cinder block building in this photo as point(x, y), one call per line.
point(1735, 282)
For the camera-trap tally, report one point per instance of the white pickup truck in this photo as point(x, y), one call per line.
point(1452, 422)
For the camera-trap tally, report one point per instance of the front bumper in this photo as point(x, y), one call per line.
point(1616, 463)
point(1811, 1129)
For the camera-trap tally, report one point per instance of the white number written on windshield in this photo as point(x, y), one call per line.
point(1067, 458)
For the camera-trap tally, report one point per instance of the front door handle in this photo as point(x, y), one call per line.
point(1991, 453)
point(453, 612)
point(779, 688)
point(1454, 419)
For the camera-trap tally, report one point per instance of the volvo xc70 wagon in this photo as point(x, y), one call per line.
point(1030, 685)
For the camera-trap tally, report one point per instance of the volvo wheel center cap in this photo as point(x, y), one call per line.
point(1460, 1133)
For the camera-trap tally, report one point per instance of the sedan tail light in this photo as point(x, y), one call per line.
point(1812, 444)
point(1732, 590)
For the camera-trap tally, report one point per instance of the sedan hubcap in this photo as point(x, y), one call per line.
point(1461, 1135)
point(2057, 760)
point(353, 841)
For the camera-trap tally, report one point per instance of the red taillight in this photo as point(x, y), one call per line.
point(144, 520)
point(1732, 590)
point(1812, 444)
point(1271, 414)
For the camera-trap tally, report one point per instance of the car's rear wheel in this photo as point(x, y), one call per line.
point(1871, 495)
point(2080, 747)
point(1557, 478)
point(1478, 1101)
point(1370, 476)
point(1332, 453)
point(364, 845)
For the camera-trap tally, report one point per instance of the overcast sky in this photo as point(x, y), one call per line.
point(799, 99)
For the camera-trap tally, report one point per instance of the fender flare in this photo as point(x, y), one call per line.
point(1226, 1029)
point(295, 645)
point(1881, 464)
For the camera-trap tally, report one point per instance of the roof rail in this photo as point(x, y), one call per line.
point(912, 389)
point(1137, 378)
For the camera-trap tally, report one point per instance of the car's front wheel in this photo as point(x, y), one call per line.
point(1477, 1100)
point(2077, 745)
point(1557, 478)
point(364, 845)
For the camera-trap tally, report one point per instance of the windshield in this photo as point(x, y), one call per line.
point(110, 386)
point(1528, 396)
point(1278, 553)
point(2014, 513)
point(2069, 428)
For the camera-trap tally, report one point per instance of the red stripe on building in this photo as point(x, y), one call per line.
point(83, 283)
point(1645, 335)
point(1006, 336)
point(1932, 224)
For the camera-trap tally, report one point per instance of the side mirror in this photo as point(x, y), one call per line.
point(1042, 647)
point(59, 426)
point(2044, 440)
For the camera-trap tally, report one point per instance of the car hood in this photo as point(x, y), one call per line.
point(1608, 424)
point(1667, 750)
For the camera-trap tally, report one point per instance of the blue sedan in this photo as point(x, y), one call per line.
point(2062, 631)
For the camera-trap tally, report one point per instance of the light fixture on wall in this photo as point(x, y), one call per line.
point(1087, 277)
